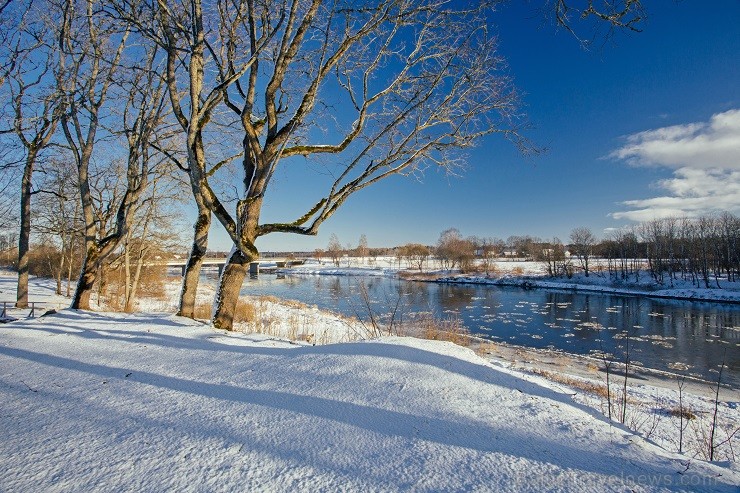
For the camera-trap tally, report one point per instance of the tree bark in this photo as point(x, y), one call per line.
point(197, 253)
point(227, 297)
point(127, 273)
point(69, 270)
point(81, 299)
point(24, 238)
point(58, 274)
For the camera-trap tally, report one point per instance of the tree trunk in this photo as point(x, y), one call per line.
point(58, 277)
point(135, 281)
point(69, 266)
point(102, 278)
point(229, 287)
point(59, 271)
point(88, 273)
point(195, 261)
point(24, 238)
point(127, 274)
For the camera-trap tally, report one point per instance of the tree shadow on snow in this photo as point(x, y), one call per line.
point(464, 433)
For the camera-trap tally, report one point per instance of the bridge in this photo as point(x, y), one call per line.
point(261, 265)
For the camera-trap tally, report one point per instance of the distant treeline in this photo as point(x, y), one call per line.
point(704, 250)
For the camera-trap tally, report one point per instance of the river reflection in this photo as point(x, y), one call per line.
point(674, 336)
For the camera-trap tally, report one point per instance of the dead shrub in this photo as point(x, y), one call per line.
point(9, 257)
point(484, 349)
point(111, 285)
point(112, 302)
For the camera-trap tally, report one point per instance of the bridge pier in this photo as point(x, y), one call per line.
point(254, 268)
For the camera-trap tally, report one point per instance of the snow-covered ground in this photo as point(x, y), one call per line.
point(153, 402)
point(146, 402)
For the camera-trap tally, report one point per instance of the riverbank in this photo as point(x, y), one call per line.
point(531, 275)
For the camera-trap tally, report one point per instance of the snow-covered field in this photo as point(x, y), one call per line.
point(153, 402)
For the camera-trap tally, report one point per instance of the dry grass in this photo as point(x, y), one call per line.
point(449, 329)
point(590, 387)
point(274, 299)
point(112, 301)
point(410, 275)
point(484, 349)
point(257, 315)
point(246, 311)
point(678, 412)
point(152, 281)
point(202, 311)
point(151, 285)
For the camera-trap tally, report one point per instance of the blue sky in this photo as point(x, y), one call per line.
point(648, 117)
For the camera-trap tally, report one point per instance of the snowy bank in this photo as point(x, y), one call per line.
point(531, 275)
point(680, 291)
point(104, 402)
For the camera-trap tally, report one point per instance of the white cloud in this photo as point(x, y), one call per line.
point(705, 158)
point(715, 144)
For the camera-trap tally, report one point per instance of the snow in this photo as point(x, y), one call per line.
point(653, 398)
point(154, 402)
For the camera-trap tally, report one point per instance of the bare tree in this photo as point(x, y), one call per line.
point(14, 16)
point(94, 47)
point(526, 247)
point(553, 254)
point(728, 226)
point(195, 43)
point(7, 204)
point(152, 231)
point(415, 254)
point(609, 15)
point(583, 241)
point(30, 71)
point(453, 250)
point(57, 216)
point(403, 84)
point(487, 249)
point(319, 254)
point(362, 249)
point(421, 79)
point(334, 249)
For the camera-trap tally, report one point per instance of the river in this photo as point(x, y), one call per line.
point(675, 336)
